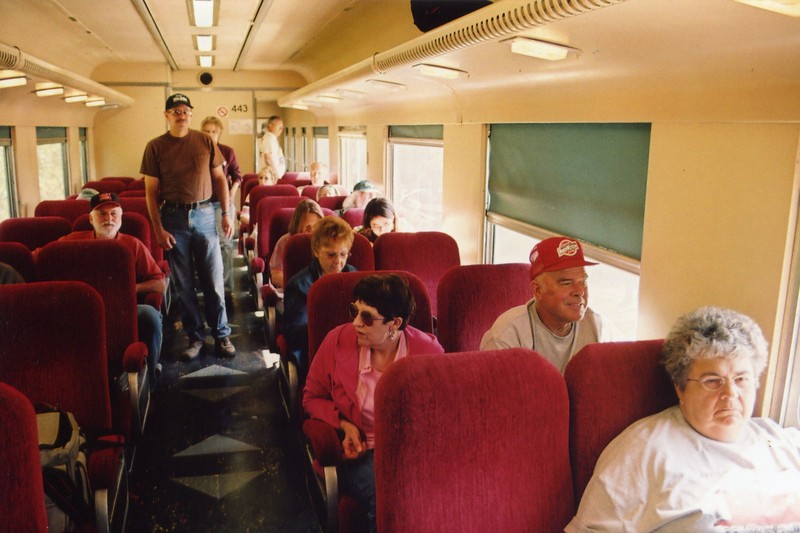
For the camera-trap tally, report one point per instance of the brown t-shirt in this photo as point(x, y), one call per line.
point(182, 165)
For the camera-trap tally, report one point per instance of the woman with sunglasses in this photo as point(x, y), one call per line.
point(704, 464)
point(331, 240)
point(341, 383)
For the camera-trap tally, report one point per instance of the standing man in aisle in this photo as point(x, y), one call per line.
point(182, 169)
point(271, 152)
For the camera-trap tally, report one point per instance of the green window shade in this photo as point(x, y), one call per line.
point(587, 181)
point(48, 132)
point(417, 132)
point(5, 133)
point(321, 131)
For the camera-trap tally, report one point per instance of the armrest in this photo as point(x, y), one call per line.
point(325, 442)
point(154, 299)
point(271, 295)
point(257, 265)
point(250, 243)
point(135, 356)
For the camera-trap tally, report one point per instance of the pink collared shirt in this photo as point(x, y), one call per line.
point(367, 381)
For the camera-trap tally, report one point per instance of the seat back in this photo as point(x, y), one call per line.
point(135, 193)
point(22, 504)
point(127, 180)
point(298, 254)
point(428, 254)
point(139, 205)
point(294, 176)
point(474, 441)
point(622, 380)
point(106, 185)
point(267, 206)
point(34, 232)
point(329, 298)
point(278, 226)
point(67, 209)
point(264, 191)
point(353, 216)
point(132, 224)
point(471, 297)
point(54, 348)
point(19, 257)
point(332, 202)
point(248, 182)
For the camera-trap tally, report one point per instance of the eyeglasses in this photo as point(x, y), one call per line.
point(716, 383)
point(178, 112)
point(334, 255)
point(366, 316)
point(386, 226)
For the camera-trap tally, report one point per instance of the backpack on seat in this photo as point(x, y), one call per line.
point(63, 454)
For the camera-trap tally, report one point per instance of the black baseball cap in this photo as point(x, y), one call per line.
point(177, 99)
point(104, 198)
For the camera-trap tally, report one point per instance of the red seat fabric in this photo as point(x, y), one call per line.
point(354, 216)
point(19, 257)
point(471, 297)
point(428, 254)
point(611, 385)
point(139, 205)
point(133, 193)
point(248, 182)
point(127, 180)
point(332, 202)
point(67, 209)
point(108, 266)
point(106, 185)
point(22, 504)
point(474, 441)
point(298, 254)
point(264, 191)
point(34, 232)
point(135, 185)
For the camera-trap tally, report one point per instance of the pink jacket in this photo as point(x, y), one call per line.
point(332, 379)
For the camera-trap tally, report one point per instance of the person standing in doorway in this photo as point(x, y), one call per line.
point(182, 169)
point(271, 151)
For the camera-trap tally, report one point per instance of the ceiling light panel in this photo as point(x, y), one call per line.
point(539, 49)
point(204, 13)
point(437, 71)
point(784, 7)
point(204, 43)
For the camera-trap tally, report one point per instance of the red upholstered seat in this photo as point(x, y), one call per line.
point(127, 180)
point(34, 232)
point(136, 193)
point(67, 209)
point(354, 216)
point(22, 504)
point(61, 361)
point(332, 202)
point(108, 266)
point(473, 441)
point(19, 257)
point(328, 301)
point(471, 297)
point(611, 385)
point(428, 254)
point(106, 185)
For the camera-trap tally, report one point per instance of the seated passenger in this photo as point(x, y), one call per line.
point(9, 275)
point(363, 192)
point(305, 217)
point(557, 322)
point(265, 177)
point(327, 190)
point(331, 241)
point(379, 218)
point(318, 173)
point(340, 388)
point(705, 464)
point(106, 219)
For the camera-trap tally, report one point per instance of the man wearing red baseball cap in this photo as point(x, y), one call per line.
point(557, 321)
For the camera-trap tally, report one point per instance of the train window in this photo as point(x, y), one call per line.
point(322, 146)
point(51, 155)
point(294, 151)
point(415, 163)
point(352, 155)
point(84, 150)
point(304, 148)
point(8, 203)
point(613, 283)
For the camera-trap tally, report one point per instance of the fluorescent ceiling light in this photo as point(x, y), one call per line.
point(348, 93)
point(12, 78)
point(437, 71)
point(299, 105)
point(48, 89)
point(204, 43)
point(95, 101)
point(75, 97)
point(540, 49)
point(329, 99)
point(205, 61)
point(203, 11)
point(386, 86)
point(784, 7)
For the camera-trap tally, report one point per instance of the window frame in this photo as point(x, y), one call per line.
point(7, 146)
point(391, 142)
point(46, 139)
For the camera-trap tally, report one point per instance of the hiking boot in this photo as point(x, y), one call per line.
point(225, 347)
point(193, 350)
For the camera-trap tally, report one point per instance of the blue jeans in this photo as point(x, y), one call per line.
point(357, 478)
point(197, 246)
point(150, 333)
point(225, 245)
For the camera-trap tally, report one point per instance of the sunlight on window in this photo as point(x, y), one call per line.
point(417, 176)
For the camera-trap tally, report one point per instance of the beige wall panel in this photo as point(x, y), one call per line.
point(716, 221)
point(24, 139)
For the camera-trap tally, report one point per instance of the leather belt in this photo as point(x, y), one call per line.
point(190, 205)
